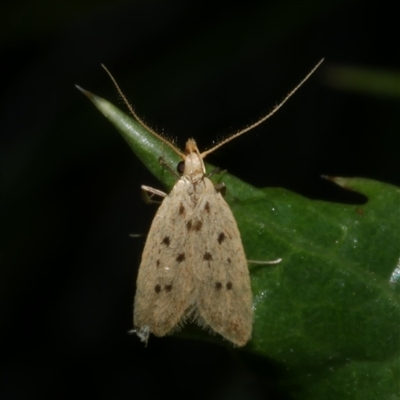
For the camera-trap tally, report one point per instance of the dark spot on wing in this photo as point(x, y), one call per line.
point(180, 257)
point(229, 286)
point(168, 288)
point(207, 207)
point(218, 285)
point(158, 263)
point(181, 209)
point(197, 226)
point(221, 237)
point(228, 260)
point(157, 288)
point(207, 256)
point(166, 241)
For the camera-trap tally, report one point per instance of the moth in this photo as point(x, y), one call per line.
point(193, 266)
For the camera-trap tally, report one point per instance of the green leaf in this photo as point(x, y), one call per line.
point(328, 314)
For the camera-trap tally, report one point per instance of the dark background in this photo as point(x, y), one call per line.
point(70, 186)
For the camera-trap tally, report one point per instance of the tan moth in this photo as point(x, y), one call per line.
point(193, 265)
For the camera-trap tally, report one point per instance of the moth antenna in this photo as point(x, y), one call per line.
point(270, 114)
point(141, 122)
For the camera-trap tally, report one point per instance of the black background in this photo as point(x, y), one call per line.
point(70, 186)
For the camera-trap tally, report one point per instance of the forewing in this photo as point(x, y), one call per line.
point(222, 281)
point(165, 279)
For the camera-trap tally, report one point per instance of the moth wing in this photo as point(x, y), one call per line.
point(165, 282)
point(223, 292)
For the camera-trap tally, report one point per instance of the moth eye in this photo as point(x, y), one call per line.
point(180, 167)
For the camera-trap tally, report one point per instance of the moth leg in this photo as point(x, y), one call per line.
point(142, 333)
point(135, 235)
point(148, 193)
point(258, 262)
point(221, 188)
point(216, 171)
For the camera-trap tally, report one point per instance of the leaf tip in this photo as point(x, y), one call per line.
point(88, 94)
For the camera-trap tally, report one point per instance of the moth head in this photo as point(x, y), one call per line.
point(194, 168)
